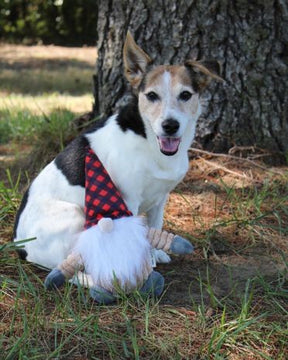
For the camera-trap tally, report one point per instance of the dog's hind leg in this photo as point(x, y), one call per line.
point(56, 225)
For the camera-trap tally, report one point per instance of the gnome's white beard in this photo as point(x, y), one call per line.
point(121, 257)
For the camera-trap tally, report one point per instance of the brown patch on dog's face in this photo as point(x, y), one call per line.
point(178, 73)
point(168, 103)
point(202, 72)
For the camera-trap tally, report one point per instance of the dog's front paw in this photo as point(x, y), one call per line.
point(161, 257)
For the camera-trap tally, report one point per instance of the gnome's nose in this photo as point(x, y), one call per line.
point(106, 225)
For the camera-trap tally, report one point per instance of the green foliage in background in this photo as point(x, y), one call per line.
point(61, 22)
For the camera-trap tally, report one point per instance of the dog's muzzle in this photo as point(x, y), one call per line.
point(169, 142)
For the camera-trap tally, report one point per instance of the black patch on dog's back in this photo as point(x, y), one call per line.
point(129, 118)
point(71, 161)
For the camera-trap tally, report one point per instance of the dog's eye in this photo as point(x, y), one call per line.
point(152, 96)
point(185, 96)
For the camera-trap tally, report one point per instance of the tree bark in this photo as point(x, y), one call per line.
point(248, 38)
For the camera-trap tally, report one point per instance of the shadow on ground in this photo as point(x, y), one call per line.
point(216, 282)
point(34, 76)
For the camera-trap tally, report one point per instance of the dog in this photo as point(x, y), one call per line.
point(144, 148)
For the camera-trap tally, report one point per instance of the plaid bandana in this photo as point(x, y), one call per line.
point(102, 198)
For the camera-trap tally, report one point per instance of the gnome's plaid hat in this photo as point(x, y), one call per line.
point(102, 198)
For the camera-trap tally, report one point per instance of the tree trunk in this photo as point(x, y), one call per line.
point(248, 38)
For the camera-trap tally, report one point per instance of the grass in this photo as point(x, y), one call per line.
point(46, 81)
point(40, 79)
point(226, 301)
point(71, 327)
point(45, 102)
point(25, 126)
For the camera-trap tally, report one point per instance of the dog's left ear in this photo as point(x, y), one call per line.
point(202, 72)
point(135, 61)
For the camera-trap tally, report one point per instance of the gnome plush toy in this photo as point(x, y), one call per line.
point(115, 249)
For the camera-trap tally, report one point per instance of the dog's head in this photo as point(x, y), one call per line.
point(168, 95)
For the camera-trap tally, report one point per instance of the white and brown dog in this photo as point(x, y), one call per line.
point(144, 148)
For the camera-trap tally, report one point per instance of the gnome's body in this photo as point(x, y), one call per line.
point(123, 253)
point(115, 247)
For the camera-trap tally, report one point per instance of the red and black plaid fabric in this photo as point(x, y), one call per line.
point(102, 199)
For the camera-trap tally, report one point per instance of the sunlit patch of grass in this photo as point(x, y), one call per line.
point(46, 69)
point(45, 103)
point(42, 78)
point(36, 81)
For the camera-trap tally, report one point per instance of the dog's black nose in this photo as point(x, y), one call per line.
point(170, 126)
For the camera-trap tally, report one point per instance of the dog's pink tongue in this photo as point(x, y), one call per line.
point(169, 145)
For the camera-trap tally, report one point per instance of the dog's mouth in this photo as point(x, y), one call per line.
point(169, 145)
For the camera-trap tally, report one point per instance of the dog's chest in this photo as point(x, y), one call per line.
point(142, 179)
point(144, 186)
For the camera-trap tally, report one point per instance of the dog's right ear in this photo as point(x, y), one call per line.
point(203, 72)
point(135, 61)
